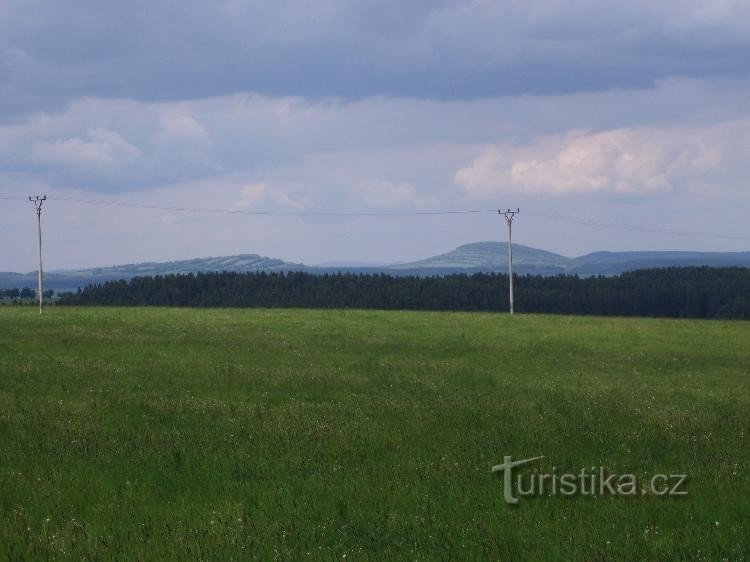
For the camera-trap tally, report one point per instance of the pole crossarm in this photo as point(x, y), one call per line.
point(509, 214)
point(38, 201)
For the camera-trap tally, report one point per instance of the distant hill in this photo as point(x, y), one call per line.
point(492, 256)
point(349, 264)
point(469, 258)
point(611, 263)
point(74, 278)
point(242, 262)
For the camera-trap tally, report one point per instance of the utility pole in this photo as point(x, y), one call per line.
point(509, 216)
point(38, 201)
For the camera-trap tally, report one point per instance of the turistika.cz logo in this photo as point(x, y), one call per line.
point(593, 481)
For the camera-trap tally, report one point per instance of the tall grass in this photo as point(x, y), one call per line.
point(291, 434)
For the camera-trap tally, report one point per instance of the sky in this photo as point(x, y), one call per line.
point(586, 115)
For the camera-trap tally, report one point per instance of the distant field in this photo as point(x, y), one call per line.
point(297, 434)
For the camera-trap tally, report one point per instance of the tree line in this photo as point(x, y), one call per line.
point(24, 293)
point(681, 292)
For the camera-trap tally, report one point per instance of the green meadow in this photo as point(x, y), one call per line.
point(168, 434)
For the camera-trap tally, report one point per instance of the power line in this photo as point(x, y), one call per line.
point(631, 227)
point(584, 221)
point(270, 213)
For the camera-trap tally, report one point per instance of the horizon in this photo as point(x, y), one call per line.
point(359, 263)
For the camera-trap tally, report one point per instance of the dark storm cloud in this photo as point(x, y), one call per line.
point(52, 51)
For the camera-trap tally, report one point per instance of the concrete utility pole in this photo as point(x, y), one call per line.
point(509, 216)
point(38, 201)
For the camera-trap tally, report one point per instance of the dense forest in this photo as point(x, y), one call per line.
point(17, 294)
point(692, 292)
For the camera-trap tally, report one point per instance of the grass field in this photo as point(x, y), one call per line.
point(293, 434)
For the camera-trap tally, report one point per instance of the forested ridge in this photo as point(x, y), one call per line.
point(693, 292)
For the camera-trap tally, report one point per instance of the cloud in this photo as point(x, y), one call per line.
point(249, 195)
point(446, 49)
point(285, 200)
point(638, 160)
point(683, 144)
point(100, 151)
point(179, 126)
point(258, 192)
point(386, 194)
point(384, 151)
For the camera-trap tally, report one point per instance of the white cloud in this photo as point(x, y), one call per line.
point(181, 126)
point(283, 199)
point(387, 194)
point(250, 194)
point(101, 150)
point(257, 192)
point(637, 160)
point(419, 141)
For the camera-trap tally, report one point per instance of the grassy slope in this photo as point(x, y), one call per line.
point(239, 433)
